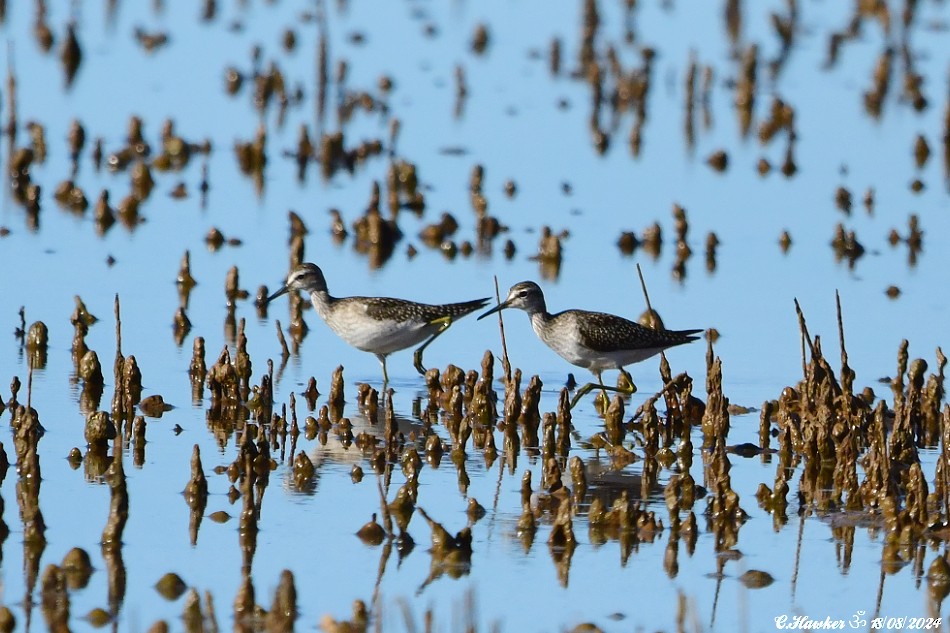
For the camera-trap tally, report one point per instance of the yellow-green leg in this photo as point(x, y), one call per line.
point(443, 324)
point(583, 391)
point(382, 361)
point(628, 379)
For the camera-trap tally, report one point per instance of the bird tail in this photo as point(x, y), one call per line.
point(678, 337)
point(456, 310)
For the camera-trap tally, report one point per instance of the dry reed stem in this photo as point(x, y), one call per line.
point(506, 365)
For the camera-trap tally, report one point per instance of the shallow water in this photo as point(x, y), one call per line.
point(524, 123)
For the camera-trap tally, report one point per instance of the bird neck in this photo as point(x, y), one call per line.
point(322, 301)
point(536, 307)
point(539, 316)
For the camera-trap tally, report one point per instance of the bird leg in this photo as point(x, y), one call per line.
point(625, 382)
point(382, 361)
point(443, 325)
point(583, 391)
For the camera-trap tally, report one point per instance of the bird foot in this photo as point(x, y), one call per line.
point(417, 362)
point(602, 396)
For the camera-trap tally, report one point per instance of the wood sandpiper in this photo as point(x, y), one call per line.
point(380, 325)
point(593, 340)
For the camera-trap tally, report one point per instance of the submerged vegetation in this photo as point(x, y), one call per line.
point(851, 458)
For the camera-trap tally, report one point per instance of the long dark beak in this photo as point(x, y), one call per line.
point(498, 308)
point(282, 291)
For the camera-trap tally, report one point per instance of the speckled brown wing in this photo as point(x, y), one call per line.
point(383, 308)
point(607, 332)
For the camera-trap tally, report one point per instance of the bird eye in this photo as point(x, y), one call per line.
point(523, 293)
